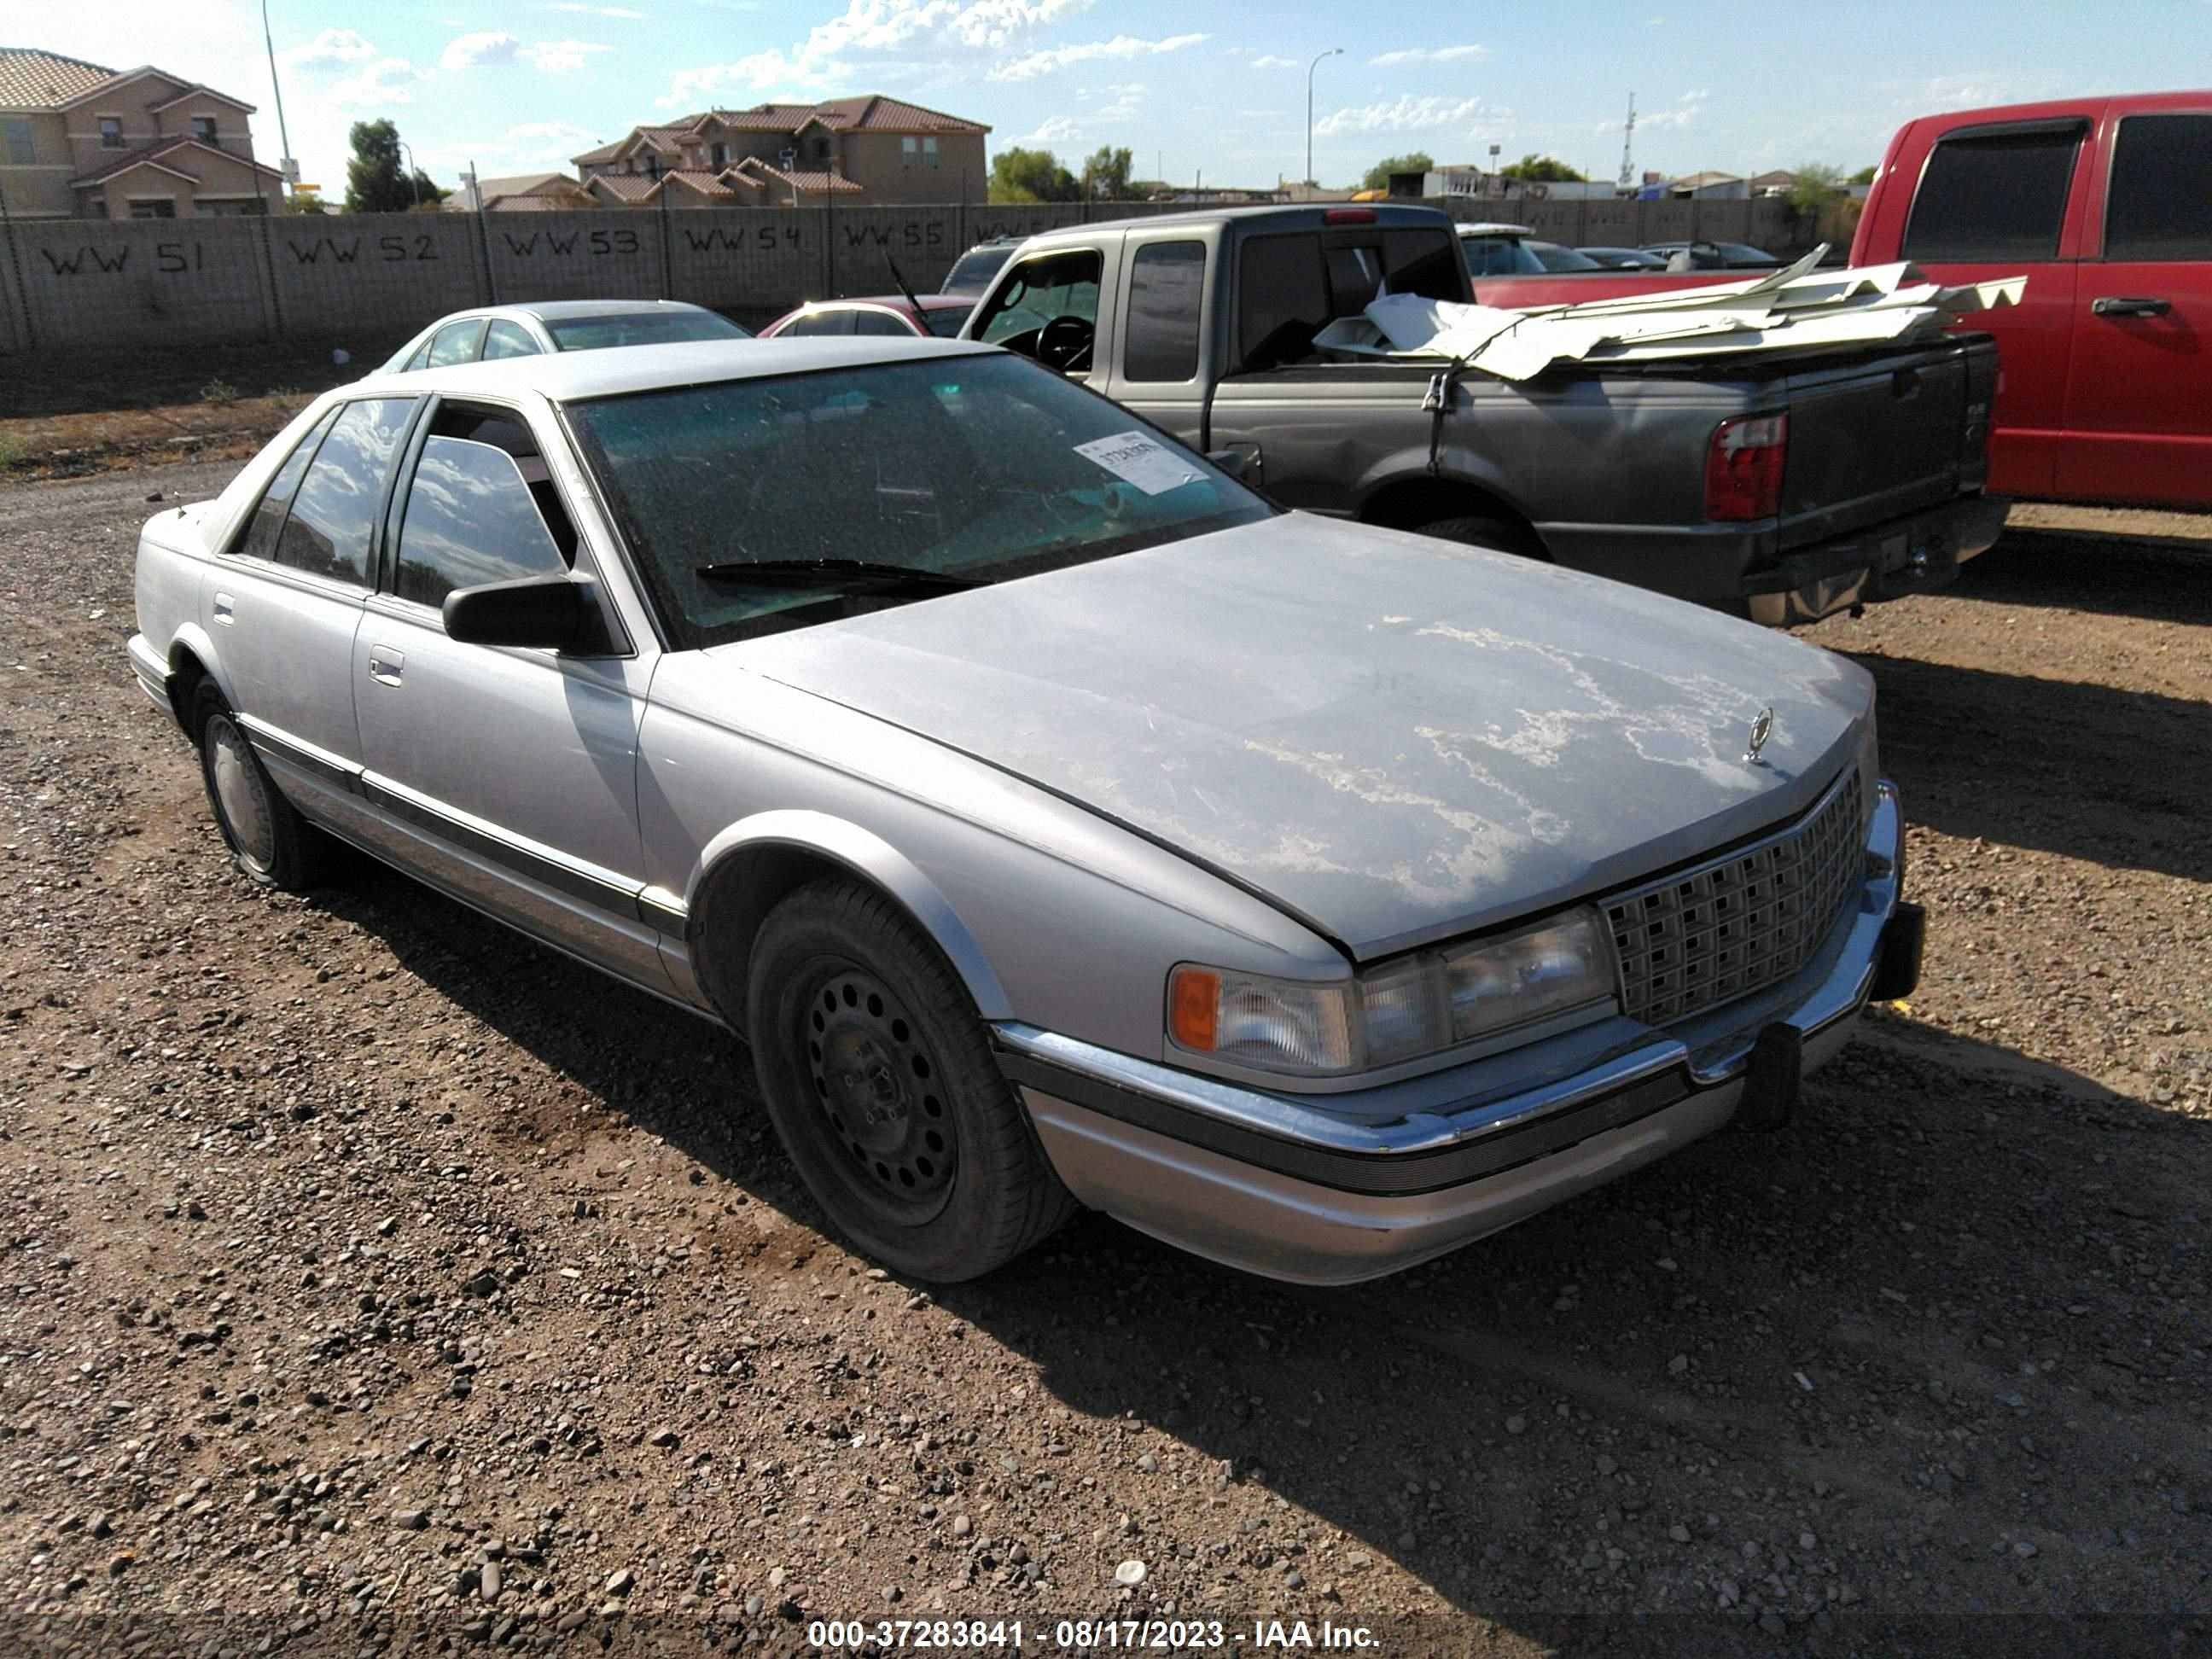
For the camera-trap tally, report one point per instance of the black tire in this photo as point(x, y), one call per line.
point(269, 841)
point(879, 1078)
point(1475, 530)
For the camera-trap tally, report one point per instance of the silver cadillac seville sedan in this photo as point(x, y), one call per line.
point(1061, 823)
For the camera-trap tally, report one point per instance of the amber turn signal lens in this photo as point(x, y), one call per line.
point(1194, 1008)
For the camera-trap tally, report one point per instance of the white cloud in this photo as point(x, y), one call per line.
point(1682, 113)
point(1059, 130)
point(1027, 68)
point(1411, 114)
point(879, 40)
point(1433, 54)
point(1272, 62)
point(598, 11)
point(1122, 103)
point(386, 81)
point(485, 46)
point(560, 57)
point(333, 49)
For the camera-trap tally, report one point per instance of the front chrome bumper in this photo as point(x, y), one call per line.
point(1332, 1189)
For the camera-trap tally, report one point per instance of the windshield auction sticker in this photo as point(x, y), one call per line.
point(1151, 466)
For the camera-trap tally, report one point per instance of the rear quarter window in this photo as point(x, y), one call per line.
point(1995, 196)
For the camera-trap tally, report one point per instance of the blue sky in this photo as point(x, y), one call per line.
point(1189, 86)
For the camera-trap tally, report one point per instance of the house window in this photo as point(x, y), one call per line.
point(929, 152)
point(161, 209)
point(821, 150)
point(111, 132)
point(721, 155)
point(17, 134)
point(204, 129)
point(909, 152)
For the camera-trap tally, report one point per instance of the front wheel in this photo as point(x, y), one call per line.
point(879, 1076)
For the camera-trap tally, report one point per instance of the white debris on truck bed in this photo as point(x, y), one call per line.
point(1798, 309)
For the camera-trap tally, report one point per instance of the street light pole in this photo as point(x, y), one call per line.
point(282, 136)
point(414, 172)
point(1334, 51)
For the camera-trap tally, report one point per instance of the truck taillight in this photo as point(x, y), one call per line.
point(1743, 468)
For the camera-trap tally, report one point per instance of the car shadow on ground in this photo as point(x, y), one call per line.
point(1779, 1373)
point(2088, 771)
point(2157, 578)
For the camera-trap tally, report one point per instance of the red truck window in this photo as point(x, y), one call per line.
point(2161, 202)
point(1995, 194)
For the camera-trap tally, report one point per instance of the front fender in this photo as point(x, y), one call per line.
point(867, 854)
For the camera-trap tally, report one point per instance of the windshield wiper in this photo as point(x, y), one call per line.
point(837, 572)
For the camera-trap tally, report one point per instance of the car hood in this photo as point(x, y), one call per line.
point(1393, 738)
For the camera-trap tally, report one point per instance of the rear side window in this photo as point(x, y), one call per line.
point(260, 541)
point(507, 339)
point(1167, 288)
point(816, 323)
point(333, 516)
point(1282, 299)
point(882, 322)
point(2160, 207)
point(1998, 195)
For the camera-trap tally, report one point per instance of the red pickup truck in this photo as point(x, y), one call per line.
point(2105, 204)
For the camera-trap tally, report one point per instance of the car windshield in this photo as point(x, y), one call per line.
point(639, 328)
point(983, 467)
point(945, 320)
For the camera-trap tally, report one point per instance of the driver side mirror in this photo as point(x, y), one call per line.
point(539, 612)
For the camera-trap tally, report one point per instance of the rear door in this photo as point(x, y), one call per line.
point(1999, 199)
point(2139, 390)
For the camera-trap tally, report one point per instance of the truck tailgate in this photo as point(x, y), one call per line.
point(1879, 436)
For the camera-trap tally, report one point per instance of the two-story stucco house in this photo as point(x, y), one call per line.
point(870, 149)
point(78, 140)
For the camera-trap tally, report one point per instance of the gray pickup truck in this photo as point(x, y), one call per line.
point(1778, 488)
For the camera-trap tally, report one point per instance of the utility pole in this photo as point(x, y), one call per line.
point(414, 172)
point(287, 166)
point(1334, 51)
point(1628, 145)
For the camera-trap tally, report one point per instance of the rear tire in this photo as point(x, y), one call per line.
point(879, 1078)
point(271, 844)
point(1499, 535)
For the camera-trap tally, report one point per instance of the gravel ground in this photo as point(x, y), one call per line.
point(371, 1279)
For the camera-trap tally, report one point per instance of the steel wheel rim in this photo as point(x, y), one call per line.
point(244, 798)
point(876, 1082)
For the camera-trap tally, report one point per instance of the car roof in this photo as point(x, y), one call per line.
point(894, 302)
point(1488, 229)
point(548, 311)
point(572, 376)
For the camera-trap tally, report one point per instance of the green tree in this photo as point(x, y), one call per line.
point(1378, 176)
point(1032, 175)
point(1541, 169)
point(1864, 175)
point(1148, 190)
point(1819, 185)
point(1106, 174)
point(375, 182)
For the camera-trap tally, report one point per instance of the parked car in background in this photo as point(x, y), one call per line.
point(1782, 488)
point(1497, 249)
point(1624, 258)
point(972, 271)
point(2105, 203)
point(1713, 255)
point(1060, 822)
point(491, 332)
point(894, 315)
point(1552, 256)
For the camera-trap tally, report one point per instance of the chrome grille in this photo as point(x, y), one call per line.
point(1705, 936)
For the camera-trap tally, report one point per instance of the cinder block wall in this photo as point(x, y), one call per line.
point(80, 284)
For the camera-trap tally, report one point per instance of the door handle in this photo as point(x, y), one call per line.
point(224, 606)
point(2114, 304)
point(384, 663)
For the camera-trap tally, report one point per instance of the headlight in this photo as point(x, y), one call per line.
point(1418, 1005)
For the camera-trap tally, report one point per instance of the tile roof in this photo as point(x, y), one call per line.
point(45, 79)
point(561, 203)
point(706, 183)
point(604, 153)
point(520, 184)
point(823, 182)
point(625, 186)
point(869, 112)
point(200, 89)
point(163, 150)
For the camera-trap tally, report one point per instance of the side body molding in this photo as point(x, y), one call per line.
point(864, 853)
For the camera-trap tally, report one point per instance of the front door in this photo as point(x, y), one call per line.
point(2138, 420)
point(508, 776)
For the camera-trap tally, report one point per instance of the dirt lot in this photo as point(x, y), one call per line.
point(372, 1279)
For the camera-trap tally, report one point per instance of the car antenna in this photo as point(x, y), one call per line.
point(910, 296)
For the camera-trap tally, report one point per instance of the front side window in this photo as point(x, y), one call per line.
point(260, 541)
point(506, 339)
point(931, 473)
point(472, 516)
point(111, 132)
point(1167, 288)
point(456, 342)
point(1047, 308)
point(882, 322)
point(333, 518)
point(2160, 208)
point(1996, 196)
point(203, 128)
point(15, 133)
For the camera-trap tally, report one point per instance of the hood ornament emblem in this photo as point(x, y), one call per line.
point(1762, 728)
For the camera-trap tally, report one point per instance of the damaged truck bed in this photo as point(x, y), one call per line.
point(1782, 485)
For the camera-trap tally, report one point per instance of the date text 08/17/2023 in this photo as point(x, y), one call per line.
point(1087, 1635)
